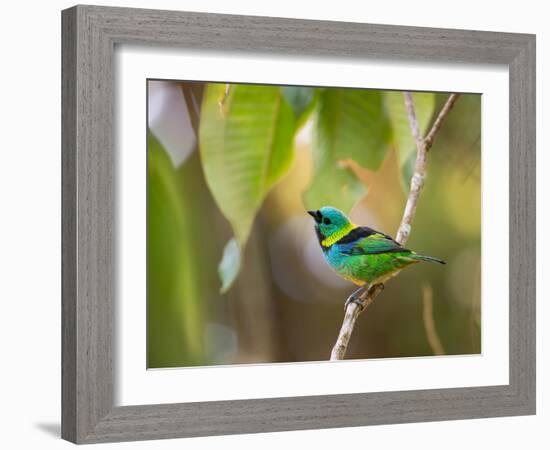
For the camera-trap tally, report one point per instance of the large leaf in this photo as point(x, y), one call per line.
point(402, 138)
point(175, 286)
point(245, 136)
point(349, 124)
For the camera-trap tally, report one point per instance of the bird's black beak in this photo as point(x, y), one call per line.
point(316, 215)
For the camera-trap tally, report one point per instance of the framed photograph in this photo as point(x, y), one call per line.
point(276, 224)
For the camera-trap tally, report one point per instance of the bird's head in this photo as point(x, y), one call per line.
point(329, 220)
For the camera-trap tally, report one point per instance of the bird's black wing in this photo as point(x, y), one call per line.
point(366, 241)
point(363, 232)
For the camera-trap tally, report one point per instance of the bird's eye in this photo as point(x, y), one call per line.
point(326, 221)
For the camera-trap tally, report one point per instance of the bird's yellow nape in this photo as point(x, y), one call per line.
point(336, 236)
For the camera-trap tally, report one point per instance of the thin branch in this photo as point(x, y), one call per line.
point(352, 313)
point(417, 183)
point(422, 146)
point(428, 318)
point(192, 93)
point(417, 180)
point(429, 140)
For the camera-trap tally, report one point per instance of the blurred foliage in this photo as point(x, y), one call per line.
point(245, 140)
point(246, 136)
point(176, 278)
point(360, 125)
point(230, 264)
point(349, 124)
point(402, 138)
point(246, 146)
point(267, 153)
point(302, 101)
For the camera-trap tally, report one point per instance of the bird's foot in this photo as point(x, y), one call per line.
point(357, 296)
point(353, 299)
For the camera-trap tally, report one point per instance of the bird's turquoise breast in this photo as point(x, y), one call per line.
point(334, 257)
point(345, 265)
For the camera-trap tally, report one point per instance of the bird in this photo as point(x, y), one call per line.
point(359, 254)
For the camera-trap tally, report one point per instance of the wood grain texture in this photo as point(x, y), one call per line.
point(68, 226)
point(88, 210)
point(522, 283)
point(89, 36)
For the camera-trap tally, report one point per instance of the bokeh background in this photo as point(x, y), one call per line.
point(286, 305)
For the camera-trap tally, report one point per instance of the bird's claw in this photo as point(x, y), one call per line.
point(356, 297)
point(353, 298)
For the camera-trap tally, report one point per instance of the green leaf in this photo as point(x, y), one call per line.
point(301, 100)
point(175, 284)
point(334, 185)
point(246, 146)
point(230, 264)
point(349, 124)
point(402, 137)
point(245, 138)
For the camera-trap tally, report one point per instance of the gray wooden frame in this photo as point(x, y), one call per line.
point(90, 34)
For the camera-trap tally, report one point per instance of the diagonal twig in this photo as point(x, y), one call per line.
point(428, 319)
point(429, 139)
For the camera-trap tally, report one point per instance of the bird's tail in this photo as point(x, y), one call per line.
point(428, 258)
